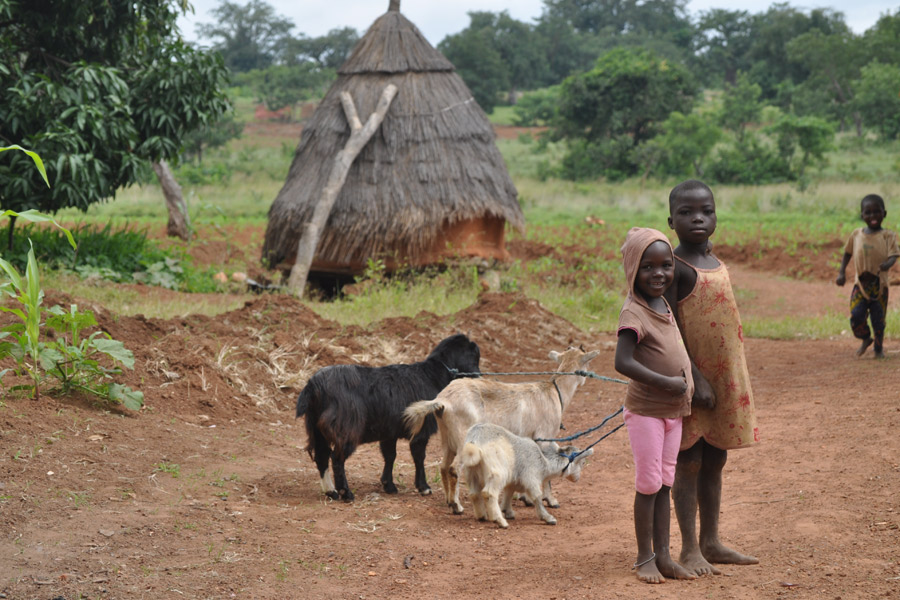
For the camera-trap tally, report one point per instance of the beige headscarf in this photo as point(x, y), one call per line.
point(636, 242)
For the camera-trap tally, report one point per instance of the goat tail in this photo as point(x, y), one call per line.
point(303, 401)
point(415, 414)
point(471, 455)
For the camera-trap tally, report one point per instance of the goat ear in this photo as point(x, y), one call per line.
point(589, 357)
point(581, 347)
point(554, 355)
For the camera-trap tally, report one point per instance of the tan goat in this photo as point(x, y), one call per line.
point(497, 463)
point(531, 409)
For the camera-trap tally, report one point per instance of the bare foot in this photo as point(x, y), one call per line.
point(672, 569)
point(648, 572)
point(718, 553)
point(879, 354)
point(694, 562)
point(864, 346)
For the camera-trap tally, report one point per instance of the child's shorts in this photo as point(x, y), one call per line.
point(654, 444)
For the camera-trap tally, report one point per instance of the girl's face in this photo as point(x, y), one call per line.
point(694, 217)
point(872, 214)
point(655, 271)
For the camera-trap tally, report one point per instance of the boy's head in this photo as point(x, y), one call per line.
point(692, 212)
point(649, 262)
point(872, 211)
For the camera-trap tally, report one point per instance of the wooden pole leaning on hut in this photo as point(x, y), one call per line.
point(359, 137)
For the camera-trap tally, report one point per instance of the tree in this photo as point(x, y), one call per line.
point(722, 41)
point(609, 111)
point(628, 92)
point(881, 40)
point(740, 105)
point(833, 62)
point(97, 87)
point(878, 98)
point(770, 34)
point(811, 135)
point(249, 36)
point(328, 51)
point(479, 64)
point(683, 146)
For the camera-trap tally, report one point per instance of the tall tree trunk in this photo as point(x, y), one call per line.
point(179, 221)
point(359, 136)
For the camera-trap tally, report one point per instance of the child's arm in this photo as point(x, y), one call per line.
point(886, 265)
point(628, 366)
point(704, 395)
point(842, 275)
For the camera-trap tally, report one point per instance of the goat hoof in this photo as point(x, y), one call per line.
point(349, 497)
point(457, 510)
point(425, 492)
point(551, 521)
point(332, 494)
point(390, 488)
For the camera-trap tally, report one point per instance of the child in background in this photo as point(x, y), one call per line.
point(650, 351)
point(874, 251)
point(722, 413)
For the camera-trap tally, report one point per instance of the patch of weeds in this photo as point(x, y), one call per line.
point(79, 499)
point(281, 572)
point(189, 526)
point(166, 467)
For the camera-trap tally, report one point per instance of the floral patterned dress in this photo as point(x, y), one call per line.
point(711, 327)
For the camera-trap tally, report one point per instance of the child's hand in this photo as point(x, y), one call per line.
point(886, 265)
point(841, 279)
point(704, 395)
point(676, 386)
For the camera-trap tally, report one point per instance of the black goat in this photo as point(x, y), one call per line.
point(349, 405)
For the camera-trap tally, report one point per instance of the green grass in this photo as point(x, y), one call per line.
point(502, 115)
point(820, 327)
point(444, 294)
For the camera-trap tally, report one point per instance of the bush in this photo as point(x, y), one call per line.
point(749, 162)
point(537, 108)
point(609, 158)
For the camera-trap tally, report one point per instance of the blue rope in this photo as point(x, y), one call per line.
point(585, 432)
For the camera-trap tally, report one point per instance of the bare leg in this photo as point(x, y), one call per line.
point(645, 565)
point(709, 501)
point(684, 494)
point(864, 346)
point(661, 518)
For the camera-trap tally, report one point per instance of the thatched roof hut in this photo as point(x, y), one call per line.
point(430, 182)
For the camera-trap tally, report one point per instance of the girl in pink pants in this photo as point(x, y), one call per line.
point(651, 352)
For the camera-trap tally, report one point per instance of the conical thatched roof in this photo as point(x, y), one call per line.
point(432, 163)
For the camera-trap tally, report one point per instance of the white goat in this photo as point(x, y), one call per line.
point(531, 409)
point(497, 463)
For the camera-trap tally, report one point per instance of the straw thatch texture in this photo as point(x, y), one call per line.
point(432, 163)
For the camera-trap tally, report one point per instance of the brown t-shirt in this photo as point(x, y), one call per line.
point(869, 250)
point(661, 349)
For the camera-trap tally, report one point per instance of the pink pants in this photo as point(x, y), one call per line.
point(654, 444)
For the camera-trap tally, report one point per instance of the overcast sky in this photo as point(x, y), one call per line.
point(437, 19)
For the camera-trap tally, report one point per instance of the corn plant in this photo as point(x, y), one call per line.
point(71, 359)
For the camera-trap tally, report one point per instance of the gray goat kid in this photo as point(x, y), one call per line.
point(497, 463)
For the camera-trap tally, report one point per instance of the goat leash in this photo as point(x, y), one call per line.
point(592, 375)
